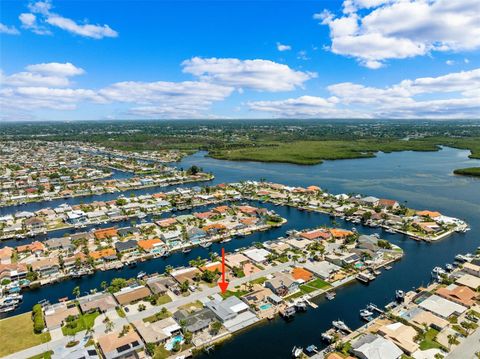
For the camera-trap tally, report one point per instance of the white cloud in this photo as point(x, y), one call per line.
point(55, 68)
point(261, 75)
point(45, 16)
point(29, 22)
point(51, 74)
point(302, 107)
point(398, 29)
point(401, 100)
point(450, 62)
point(9, 30)
point(283, 47)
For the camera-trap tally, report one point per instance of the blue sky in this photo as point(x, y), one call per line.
point(71, 60)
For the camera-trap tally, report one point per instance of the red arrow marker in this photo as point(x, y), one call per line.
point(223, 284)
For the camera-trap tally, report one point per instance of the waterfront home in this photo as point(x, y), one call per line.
point(343, 259)
point(338, 233)
point(56, 314)
point(34, 224)
point(104, 255)
point(387, 203)
point(128, 231)
point(185, 274)
point(153, 245)
point(129, 295)
point(442, 307)
point(371, 346)
point(472, 269)
point(235, 260)
point(165, 223)
point(114, 345)
point(298, 243)
point(46, 266)
point(233, 313)
point(369, 201)
point(196, 234)
point(323, 269)
point(124, 247)
point(402, 335)
point(257, 297)
point(458, 294)
point(6, 255)
point(418, 317)
point(282, 284)
point(257, 255)
point(13, 271)
point(106, 233)
point(159, 331)
point(194, 321)
point(62, 243)
point(101, 302)
point(316, 234)
point(36, 248)
point(301, 275)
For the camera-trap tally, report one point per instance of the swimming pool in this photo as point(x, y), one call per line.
point(176, 339)
point(265, 306)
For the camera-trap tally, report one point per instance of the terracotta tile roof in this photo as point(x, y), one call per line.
point(316, 234)
point(107, 252)
point(105, 233)
point(460, 294)
point(340, 233)
point(301, 273)
point(148, 244)
point(430, 214)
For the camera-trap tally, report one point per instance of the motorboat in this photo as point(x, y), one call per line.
point(140, 275)
point(311, 349)
point(301, 306)
point(364, 313)
point(186, 250)
point(327, 337)
point(338, 324)
point(330, 295)
point(437, 272)
point(297, 352)
point(399, 295)
point(448, 267)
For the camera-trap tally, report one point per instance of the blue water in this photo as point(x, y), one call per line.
point(420, 179)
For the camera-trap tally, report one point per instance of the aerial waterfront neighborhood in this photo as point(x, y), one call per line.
point(179, 310)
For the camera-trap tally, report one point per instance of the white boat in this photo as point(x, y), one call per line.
point(330, 295)
point(399, 294)
point(437, 272)
point(338, 324)
point(140, 275)
point(390, 230)
point(365, 313)
point(7, 309)
point(297, 352)
point(449, 267)
point(327, 337)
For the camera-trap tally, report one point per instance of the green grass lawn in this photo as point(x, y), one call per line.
point(319, 284)
point(429, 341)
point(82, 323)
point(163, 299)
point(260, 280)
point(46, 355)
point(16, 333)
point(157, 316)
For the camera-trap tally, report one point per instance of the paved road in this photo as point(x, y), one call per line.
point(468, 348)
point(58, 345)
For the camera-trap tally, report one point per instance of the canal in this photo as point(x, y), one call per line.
point(421, 180)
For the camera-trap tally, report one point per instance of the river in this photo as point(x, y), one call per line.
point(422, 180)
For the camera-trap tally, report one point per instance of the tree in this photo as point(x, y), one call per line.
point(104, 285)
point(184, 286)
point(215, 327)
point(76, 291)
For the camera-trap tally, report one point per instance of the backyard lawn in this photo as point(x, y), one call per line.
point(16, 333)
point(429, 341)
point(82, 323)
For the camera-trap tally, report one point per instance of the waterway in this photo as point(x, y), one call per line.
point(421, 179)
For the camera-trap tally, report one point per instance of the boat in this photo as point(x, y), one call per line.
point(206, 244)
point(365, 277)
point(288, 312)
point(327, 337)
point(301, 306)
point(297, 352)
point(390, 230)
point(140, 275)
point(226, 240)
point(186, 250)
point(7, 309)
point(399, 295)
point(437, 272)
point(449, 267)
point(338, 324)
point(388, 267)
point(365, 313)
point(330, 295)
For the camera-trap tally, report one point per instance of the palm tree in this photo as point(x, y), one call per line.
point(104, 285)
point(76, 291)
